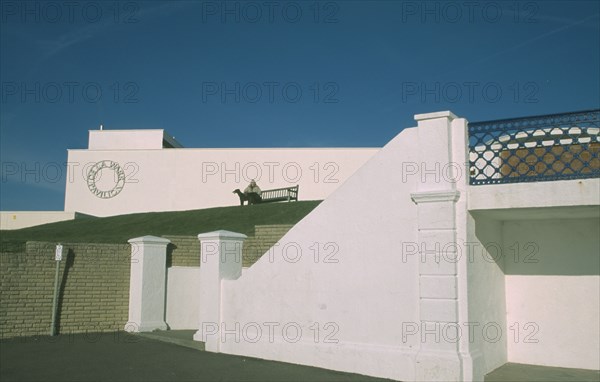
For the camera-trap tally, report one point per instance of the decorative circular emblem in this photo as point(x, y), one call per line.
point(104, 186)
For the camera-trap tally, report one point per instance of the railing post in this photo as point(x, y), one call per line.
point(147, 284)
point(220, 259)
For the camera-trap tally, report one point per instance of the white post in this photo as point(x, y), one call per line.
point(147, 284)
point(57, 257)
point(220, 258)
point(440, 200)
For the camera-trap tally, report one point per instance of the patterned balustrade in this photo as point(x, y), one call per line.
point(534, 149)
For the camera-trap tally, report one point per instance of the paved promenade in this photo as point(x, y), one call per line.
point(124, 357)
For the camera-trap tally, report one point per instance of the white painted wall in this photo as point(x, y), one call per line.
point(486, 291)
point(128, 139)
point(24, 219)
point(186, 179)
point(559, 296)
point(183, 291)
point(566, 193)
point(360, 302)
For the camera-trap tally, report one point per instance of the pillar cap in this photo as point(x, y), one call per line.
point(223, 235)
point(148, 239)
point(435, 196)
point(435, 115)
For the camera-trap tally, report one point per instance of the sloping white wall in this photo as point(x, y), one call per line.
point(553, 292)
point(358, 304)
point(340, 287)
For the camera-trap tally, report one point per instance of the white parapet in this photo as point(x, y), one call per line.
point(220, 259)
point(147, 284)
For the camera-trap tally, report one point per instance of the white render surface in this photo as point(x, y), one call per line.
point(147, 284)
point(220, 259)
point(183, 297)
point(560, 193)
point(24, 219)
point(129, 139)
point(486, 290)
point(444, 354)
point(177, 179)
point(553, 292)
point(355, 296)
point(341, 287)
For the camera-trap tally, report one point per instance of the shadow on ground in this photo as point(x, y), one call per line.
point(516, 372)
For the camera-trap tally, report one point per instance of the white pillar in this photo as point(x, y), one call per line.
point(220, 258)
point(147, 284)
point(441, 206)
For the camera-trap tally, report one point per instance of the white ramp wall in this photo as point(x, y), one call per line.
point(349, 287)
point(335, 291)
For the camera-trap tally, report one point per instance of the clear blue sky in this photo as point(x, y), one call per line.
point(217, 74)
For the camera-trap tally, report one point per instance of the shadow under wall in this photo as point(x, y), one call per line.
point(542, 247)
point(170, 248)
point(489, 235)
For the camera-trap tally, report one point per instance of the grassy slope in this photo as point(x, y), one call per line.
point(118, 229)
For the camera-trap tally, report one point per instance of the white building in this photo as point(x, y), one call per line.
point(127, 171)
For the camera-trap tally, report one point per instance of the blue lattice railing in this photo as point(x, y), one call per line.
point(534, 149)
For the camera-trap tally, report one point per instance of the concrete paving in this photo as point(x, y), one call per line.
point(510, 372)
point(177, 337)
point(123, 357)
point(174, 356)
point(516, 372)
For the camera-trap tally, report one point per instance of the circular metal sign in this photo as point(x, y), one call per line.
point(92, 178)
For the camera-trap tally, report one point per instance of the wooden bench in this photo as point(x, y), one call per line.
point(275, 195)
point(280, 195)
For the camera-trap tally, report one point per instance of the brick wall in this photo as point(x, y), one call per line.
point(93, 280)
point(265, 236)
point(185, 250)
point(93, 294)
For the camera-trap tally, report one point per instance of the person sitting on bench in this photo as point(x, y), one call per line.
point(253, 193)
